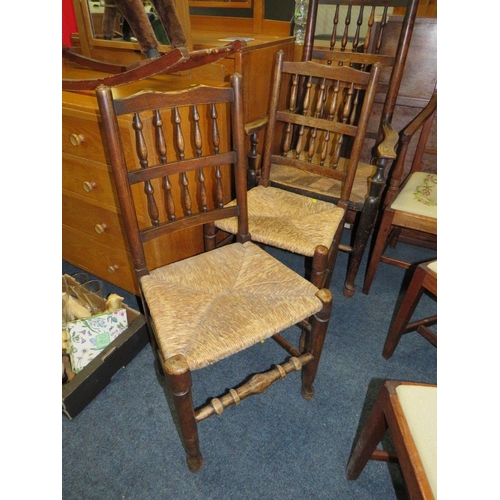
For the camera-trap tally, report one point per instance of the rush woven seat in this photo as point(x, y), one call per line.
point(288, 221)
point(203, 308)
point(215, 304)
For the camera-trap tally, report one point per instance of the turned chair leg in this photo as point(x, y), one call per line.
point(405, 312)
point(314, 341)
point(378, 249)
point(371, 435)
point(363, 231)
point(179, 382)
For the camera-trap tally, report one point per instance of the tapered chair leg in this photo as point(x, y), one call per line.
point(371, 435)
point(405, 311)
point(314, 342)
point(179, 382)
point(378, 249)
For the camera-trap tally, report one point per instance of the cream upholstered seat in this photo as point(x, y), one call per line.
point(213, 305)
point(410, 202)
point(419, 196)
point(288, 220)
point(419, 404)
point(408, 411)
point(175, 176)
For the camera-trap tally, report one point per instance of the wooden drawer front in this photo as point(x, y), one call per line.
point(94, 220)
point(81, 136)
point(89, 179)
point(112, 264)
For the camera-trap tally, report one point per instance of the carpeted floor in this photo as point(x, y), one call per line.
point(276, 445)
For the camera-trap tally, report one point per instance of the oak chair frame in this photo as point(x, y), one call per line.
point(196, 211)
point(363, 53)
point(423, 279)
point(392, 221)
point(387, 416)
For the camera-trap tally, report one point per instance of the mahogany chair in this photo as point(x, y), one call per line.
point(411, 198)
point(311, 133)
point(408, 411)
point(220, 302)
point(358, 39)
point(424, 278)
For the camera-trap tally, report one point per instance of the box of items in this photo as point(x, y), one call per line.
point(95, 348)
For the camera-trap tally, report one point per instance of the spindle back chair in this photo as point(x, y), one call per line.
point(357, 39)
point(218, 303)
point(307, 133)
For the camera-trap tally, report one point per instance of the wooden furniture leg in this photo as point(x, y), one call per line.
point(179, 380)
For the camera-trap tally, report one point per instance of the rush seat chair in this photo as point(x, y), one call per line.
point(408, 411)
point(308, 132)
point(204, 308)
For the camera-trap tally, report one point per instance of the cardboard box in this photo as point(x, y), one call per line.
point(88, 337)
point(78, 392)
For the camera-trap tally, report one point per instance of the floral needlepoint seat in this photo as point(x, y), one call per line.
point(411, 198)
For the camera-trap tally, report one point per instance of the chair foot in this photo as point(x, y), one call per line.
point(307, 392)
point(195, 463)
point(349, 290)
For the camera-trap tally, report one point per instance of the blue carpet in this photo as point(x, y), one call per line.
point(276, 445)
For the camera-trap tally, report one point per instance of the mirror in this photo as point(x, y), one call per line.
point(107, 23)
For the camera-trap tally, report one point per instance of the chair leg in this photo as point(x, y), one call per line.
point(378, 249)
point(405, 312)
point(314, 342)
point(363, 230)
point(371, 435)
point(179, 382)
point(319, 266)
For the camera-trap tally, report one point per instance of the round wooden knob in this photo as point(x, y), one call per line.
point(76, 139)
point(88, 186)
point(112, 269)
point(100, 228)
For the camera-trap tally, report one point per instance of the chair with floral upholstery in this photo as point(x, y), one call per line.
point(411, 204)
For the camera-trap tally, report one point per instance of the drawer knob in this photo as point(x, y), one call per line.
point(100, 228)
point(76, 139)
point(88, 186)
point(112, 269)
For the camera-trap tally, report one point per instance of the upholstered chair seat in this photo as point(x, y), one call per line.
point(213, 305)
point(419, 404)
point(419, 196)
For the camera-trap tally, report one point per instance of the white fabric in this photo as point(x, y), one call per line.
point(419, 404)
point(419, 196)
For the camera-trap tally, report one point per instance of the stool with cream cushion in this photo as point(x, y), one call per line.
point(411, 204)
point(408, 411)
point(424, 278)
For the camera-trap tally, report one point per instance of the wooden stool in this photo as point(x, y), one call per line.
point(424, 278)
point(409, 412)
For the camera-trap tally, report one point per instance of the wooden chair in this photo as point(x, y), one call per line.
point(409, 412)
point(357, 39)
point(424, 278)
point(311, 133)
point(409, 204)
point(220, 302)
